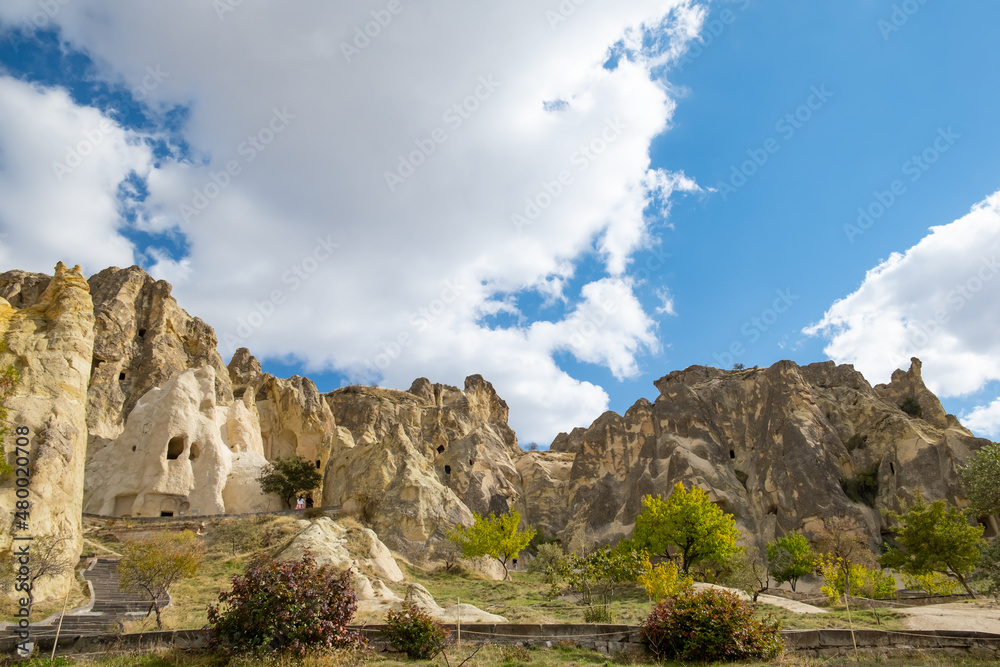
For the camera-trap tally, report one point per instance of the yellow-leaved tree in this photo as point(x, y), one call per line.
point(497, 536)
point(152, 566)
point(687, 528)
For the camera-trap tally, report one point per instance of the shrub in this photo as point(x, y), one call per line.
point(413, 631)
point(871, 583)
point(911, 406)
point(597, 615)
point(285, 606)
point(513, 656)
point(314, 513)
point(710, 625)
point(863, 487)
point(933, 583)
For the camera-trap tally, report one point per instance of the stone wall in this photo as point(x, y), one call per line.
point(606, 639)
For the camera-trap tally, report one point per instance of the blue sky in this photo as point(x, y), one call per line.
point(316, 195)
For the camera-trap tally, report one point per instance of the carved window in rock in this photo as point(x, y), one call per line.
point(175, 447)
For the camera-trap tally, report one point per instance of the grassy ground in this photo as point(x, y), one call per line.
point(524, 600)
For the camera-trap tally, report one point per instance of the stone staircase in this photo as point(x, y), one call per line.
point(110, 605)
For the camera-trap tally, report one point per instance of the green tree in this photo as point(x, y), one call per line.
point(289, 477)
point(687, 528)
point(497, 536)
point(790, 557)
point(981, 478)
point(152, 566)
point(934, 537)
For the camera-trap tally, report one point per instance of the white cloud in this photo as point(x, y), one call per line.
point(60, 168)
point(423, 254)
point(939, 301)
point(984, 420)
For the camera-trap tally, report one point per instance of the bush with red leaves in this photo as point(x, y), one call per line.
point(288, 606)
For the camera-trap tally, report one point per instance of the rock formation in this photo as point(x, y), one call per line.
point(294, 418)
point(131, 411)
point(416, 462)
point(142, 338)
point(180, 453)
point(346, 545)
point(777, 447)
point(50, 342)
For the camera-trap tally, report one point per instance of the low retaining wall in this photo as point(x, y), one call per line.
point(605, 639)
point(330, 510)
point(905, 644)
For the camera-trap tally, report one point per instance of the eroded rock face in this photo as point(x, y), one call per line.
point(180, 452)
point(22, 288)
point(294, 418)
point(426, 458)
point(51, 343)
point(142, 339)
point(770, 445)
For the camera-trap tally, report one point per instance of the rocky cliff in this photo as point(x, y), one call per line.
point(132, 412)
point(781, 448)
point(418, 462)
point(49, 339)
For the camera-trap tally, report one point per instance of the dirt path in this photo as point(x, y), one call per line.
point(790, 605)
point(972, 616)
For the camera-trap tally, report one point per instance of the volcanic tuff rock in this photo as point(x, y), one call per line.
point(415, 462)
point(179, 453)
point(294, 418)
point(142, 338)
point(772, 446)
point(51, 343)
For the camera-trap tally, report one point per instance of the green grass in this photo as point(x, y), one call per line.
point(524, 598)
